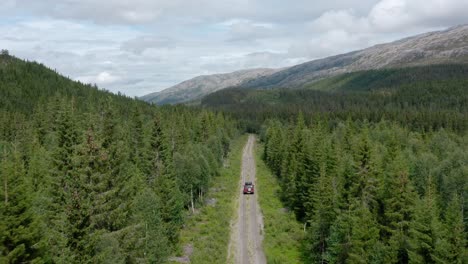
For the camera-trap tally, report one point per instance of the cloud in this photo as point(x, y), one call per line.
point(391, 15)
point(148, 11)
point(245, 30)
point(142, 46)
point(338, 31)
point(345, 20)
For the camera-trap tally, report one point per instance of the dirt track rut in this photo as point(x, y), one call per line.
point(247, 229)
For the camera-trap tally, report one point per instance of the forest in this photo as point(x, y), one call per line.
point(92, 177)
point(373, 163)
point(422, 98)
point(373, 192)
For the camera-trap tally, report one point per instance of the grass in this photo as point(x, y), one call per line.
point(208, 231)
point(283, 234)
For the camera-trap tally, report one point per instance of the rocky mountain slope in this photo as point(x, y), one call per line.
point(441, 47)
point(448, 46)
point(202, 85)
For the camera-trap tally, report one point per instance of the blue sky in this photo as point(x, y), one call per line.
point(142, 46)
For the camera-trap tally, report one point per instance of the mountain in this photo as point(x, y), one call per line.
point(440, 47)
point(200, 86)
point(421, 97)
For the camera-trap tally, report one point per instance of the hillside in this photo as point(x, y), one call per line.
point(89, 176)
point(26, 85)
point(440, 47)
point(200, 86)
point(423, 97)
point(448, 46)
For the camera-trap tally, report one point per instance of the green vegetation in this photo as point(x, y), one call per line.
point(373, 193)
point(208, 229)
point(422, 98)
point(391, 78)
point(283, 234)
point(92, 177)
point(371, 164)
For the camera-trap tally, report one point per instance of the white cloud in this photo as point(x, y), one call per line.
point(245, 30)
point(338, 31)
point(147, 11)
point(142, 46)
point(340, 19)
point(391, 15)
point(101, 78)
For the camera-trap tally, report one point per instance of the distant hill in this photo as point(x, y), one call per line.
point(200, 86)
point(24, 85)
point(418, 97)
point(440, 47)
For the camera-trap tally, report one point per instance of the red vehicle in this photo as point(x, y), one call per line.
point(248, 188)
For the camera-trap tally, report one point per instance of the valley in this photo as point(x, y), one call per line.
point(355, 158)
point(433, 48)
point(247, 231)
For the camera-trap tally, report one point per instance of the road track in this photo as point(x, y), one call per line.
point(247, 230)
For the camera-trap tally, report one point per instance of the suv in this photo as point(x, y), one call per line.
point(248, 188)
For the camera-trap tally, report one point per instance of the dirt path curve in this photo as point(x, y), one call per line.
point(247, 231)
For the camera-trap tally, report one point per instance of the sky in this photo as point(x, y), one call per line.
point(142, 46)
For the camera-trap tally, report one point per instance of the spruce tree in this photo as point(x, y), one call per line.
point(146, 237)
point(426, 231)
point(64, 236)
point(19, 226)
point(456, 251)
point(398, 204)
point(324, 199)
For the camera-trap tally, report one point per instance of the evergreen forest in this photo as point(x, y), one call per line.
point(373, 164)
point(92, 177)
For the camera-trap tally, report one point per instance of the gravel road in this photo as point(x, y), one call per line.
point(247, 229)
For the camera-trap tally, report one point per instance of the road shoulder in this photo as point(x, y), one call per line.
point(207, 232)
point(282, 233)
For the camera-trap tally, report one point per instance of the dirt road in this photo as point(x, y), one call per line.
point(247, 230)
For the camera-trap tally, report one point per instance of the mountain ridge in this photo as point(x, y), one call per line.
point(202, 85)
point(449, 46)
point(437, 47)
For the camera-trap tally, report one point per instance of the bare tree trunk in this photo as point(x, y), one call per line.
point(191, 198)
point(146, 238)
point(5, 180)
point(6, 188)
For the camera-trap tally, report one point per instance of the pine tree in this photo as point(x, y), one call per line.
point(426, 231)
point(364, 185)
point(324, 200)
point(159, 153)
point(456, 241)
point(63, 243)
point(19, 227)
point(117, 164)
point(165, 183)
point(398, 202)
point(288, 179)
point(354, 237)
point(146, 237)
point(339, 241)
